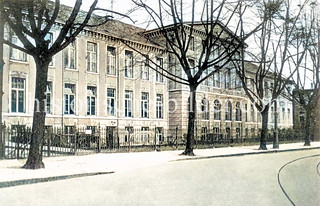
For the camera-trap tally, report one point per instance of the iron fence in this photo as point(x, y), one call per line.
point(70, 141)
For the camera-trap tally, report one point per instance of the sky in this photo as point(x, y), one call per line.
point(121, 6)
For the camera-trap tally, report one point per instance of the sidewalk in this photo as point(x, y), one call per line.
point(103, 163)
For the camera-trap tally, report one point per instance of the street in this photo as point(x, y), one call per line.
point(241, 180)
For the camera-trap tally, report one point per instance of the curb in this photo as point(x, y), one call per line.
point(244, 154)
point(49, 179)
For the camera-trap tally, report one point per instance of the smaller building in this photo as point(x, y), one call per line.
point(300, 118)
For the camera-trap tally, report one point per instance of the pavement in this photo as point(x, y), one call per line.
point(64, 167)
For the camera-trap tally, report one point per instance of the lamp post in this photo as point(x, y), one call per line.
point(276, 134)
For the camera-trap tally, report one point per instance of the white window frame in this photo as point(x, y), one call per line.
point(92, 57)
point(159, 72)
point(69, 106)
point(128, 103)
point(111, 61)
point(49, 98)
point(18, 87)
point(111, 101)
point(16, 54)
point(91, 101)
point(69, 56)
point(159, 106)
point(144, 105)
point(128, 64)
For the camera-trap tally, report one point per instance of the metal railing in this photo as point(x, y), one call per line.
point(16, 140)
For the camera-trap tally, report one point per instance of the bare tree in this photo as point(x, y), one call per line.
point(307, 80)
point(279, 21)
point(177, 24)
point(31, 21)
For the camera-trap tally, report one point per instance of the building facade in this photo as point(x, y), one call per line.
point(100, 80)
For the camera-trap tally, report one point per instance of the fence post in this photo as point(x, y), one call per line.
point(49, 143)
point(2, 143)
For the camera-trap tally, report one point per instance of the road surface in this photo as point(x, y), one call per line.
point(288, 178)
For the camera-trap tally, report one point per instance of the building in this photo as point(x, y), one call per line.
point(300, 117)
point(100, 81)
point(96, 82)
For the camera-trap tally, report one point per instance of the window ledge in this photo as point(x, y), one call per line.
point(18, 61)
point(69, 69)
point(94, 73)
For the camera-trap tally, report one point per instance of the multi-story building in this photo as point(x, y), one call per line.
point(101, 80)
point(96, 81)
point(223, 109)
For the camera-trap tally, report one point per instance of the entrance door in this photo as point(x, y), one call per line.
point(110, 134)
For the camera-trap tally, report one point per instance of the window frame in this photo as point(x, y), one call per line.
point(92, 57)
point(128, 103)
point(91, 100)
point(20, 106)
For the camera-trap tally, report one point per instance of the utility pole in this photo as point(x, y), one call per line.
point(2, 146)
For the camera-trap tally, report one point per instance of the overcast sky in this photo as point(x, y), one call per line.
point(121, 6)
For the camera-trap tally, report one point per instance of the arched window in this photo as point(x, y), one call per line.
point(228, 111)
point(217, 110)
point(238, 112)
point(205, 109)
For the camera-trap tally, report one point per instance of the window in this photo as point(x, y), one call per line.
point(49, 38)
point(289, 114)
point(159, 102)
point(111, 60)
point(205, 109)
point(144, 66)
point(216, 132)
point(228, 112)
point(69, 99)
point(159, 76)
point(128, 104)
point(110, 101)
point(69, 56)
point(49, 98)
point(204, 132)
point(91, 57)
point(192, 65)
point(91, 100)
point(238, 112)
point(216, 79)
point(191, 45)
point(144, 104)
point(238, 133)
point(128, 134)
point(159, 134)
point(69, 130)
point(128, 64)
point(252, 114)
point(217, 110)
point(227, 76)
point(144, 134)
point(16, 54)
point(246, 111)
point(18, 95)
point(266, 89)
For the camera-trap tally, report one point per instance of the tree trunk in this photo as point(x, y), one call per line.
point(264, 129)
point(191, 120)
point(34, 160)
point(307, 128)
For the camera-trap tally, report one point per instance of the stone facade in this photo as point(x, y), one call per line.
point(101, 81)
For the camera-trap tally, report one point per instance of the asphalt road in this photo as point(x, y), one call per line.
point(289, 178)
